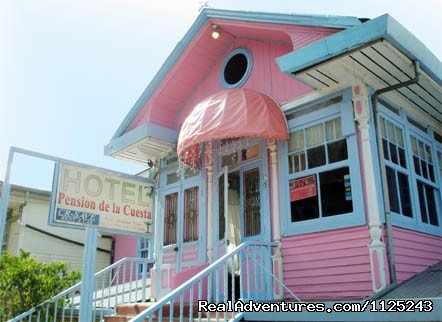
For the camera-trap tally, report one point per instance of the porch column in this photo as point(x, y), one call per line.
point(376, 248)
point(278, 292)
point(209, 171)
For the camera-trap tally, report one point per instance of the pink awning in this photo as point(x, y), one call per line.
point(233, 113)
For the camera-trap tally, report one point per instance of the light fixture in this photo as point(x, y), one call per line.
point(215, 32)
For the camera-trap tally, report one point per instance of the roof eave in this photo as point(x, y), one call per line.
point(383, 27)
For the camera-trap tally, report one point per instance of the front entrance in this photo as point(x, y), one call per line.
point(248, 219)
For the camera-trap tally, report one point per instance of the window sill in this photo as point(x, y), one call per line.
point(415, 225)
point(323, 224)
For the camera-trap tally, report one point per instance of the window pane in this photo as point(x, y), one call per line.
point(414, 145)
point(393, 153)
point(315, 135)
point(297, 162)
point(337, 151)
point(431, 172)
point(383, 132)
point(191, 215)
point(296, 141)
point(399, 136)
point(250, 153)
point(428, 154)
point(422, 202)
point(252, 203)
point(390, 132)
point(421, 150)
point(191, 172)
point(172, 178)
point(170, 218)
point(417, 165)
point(333, 129)
point(336, 197)
point(385, 148)
point(424, 169)
point(304, 199)
point(316, 156)
point(402, 159)
point(431, 203)
point(392, 190)
point(229, 159)
point(404, 191)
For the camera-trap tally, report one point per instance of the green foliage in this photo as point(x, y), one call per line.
point(25, 283)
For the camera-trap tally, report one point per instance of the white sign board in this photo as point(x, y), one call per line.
point(85, 196)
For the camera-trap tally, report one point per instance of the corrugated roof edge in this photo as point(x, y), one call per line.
point(404, 284)
point(382, 27)
point(208, 13)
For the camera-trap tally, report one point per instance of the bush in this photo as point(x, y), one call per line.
point(25, 283)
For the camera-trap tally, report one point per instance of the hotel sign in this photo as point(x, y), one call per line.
point(84, 196)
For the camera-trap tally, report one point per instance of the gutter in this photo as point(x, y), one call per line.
point(384, 185)
point(64, 239)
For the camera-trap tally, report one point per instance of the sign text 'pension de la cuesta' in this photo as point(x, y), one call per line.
point(86, 196)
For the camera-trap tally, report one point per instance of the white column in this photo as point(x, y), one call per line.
point(376, 248)
point(209, 171)
point(278, 292)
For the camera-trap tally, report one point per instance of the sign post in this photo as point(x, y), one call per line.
point(87, 278)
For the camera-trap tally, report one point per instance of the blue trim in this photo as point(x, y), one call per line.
point(344, 110)
point(383, 27)
point(415, 223)
point(241, 50)
point(339, 22)
point(139, 133)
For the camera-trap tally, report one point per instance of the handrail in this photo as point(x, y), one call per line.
point(189, 284)
point(71, 292)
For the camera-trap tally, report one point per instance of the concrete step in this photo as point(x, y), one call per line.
point(125, 312)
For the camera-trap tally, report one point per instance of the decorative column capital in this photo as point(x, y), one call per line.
point(208, 157)
point(361, 103)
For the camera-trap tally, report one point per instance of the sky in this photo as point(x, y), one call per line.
point(70, 70)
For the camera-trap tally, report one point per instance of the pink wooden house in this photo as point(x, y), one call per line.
point(319, 134)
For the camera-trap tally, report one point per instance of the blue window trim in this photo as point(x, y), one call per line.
point(139, 250)
point(240, 50)
point(399, 220)
point(344, 109)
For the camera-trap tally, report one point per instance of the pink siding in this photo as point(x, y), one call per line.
point(414, 252)
point(328, 265)
point(265, 77)
point(196, 74)
point(125, 246)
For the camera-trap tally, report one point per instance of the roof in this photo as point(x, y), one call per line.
point(338, 22)
point(427, 284)
point(383, 27)
point(380, 53)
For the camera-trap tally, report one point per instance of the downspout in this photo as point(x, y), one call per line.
point(386, 200)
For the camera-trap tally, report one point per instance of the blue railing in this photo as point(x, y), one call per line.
point(124, 281)
point(247, 267)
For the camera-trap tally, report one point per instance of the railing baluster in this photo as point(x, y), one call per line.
point(131, 268)
point(226, 281)
point(217, 291)
point(200, 288)
point(191, 304)
point(160, 314)
point(124, 282)
point(63, 309)
point(47, 312)
point(171, 311)
point(255, 273)
point(102, 297)
point(181, 307)
point(248, 275)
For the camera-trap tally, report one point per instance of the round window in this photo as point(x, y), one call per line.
point(236, 68)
